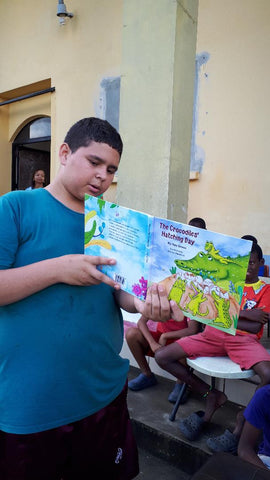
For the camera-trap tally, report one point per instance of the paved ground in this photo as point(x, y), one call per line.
point(156, 434)
point(164, 453)
point(154, 468)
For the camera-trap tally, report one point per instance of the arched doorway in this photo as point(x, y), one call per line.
point(30, 152)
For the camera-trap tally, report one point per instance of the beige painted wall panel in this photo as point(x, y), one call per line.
point(233, 118)
point(146, 103)
point(156, 100)
point(183, 97)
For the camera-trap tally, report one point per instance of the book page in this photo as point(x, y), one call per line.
point(203, 271)
point(121, 233)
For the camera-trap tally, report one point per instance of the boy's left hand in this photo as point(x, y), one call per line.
point(156, 305)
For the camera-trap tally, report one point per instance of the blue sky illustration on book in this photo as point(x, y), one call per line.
point(185, 245)
point(203, 271)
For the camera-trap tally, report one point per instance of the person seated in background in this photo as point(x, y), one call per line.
point(38, 180)
point(250, 237)
point(145, 341)
point(198, 222)
point(254, 240)
point(243, 348)
point(228, 440)
point(257, 421)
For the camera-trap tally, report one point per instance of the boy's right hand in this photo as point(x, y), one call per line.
point(76, 269)
point(21, 282)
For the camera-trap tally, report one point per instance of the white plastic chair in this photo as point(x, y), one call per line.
point(214, 367)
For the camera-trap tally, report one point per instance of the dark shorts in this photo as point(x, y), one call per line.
point(99, 446)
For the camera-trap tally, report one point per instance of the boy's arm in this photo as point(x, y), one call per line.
point(191, 329)
point(19, 283)
point(248, 443)
point(252, 320)
point(156, 305)
point(142, 325)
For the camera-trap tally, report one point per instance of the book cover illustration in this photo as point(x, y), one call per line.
point(202, 271)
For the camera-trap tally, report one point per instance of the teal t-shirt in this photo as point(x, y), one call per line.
point(59, 348)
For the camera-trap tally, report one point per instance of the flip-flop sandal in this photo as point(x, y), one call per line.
point(191, 426)
point(227, 442)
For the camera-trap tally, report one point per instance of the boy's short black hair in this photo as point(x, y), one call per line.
point(250, 237)
point(93, 129)
point(200, 223)
point(254, 244)
point(257, 249)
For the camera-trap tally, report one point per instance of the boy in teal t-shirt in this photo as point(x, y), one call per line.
point(62, 380)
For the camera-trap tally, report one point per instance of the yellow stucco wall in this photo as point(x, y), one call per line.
point(233, 118)
point(232, 110)
point(5, 148)
point(76, 57)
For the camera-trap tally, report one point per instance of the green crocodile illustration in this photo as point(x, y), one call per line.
point(195, 302)
point(177, 291)
point(222, 305)
point(208, 266)
point(210, 248)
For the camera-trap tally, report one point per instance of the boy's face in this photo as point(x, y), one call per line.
point(253, 268)
point(89, 169)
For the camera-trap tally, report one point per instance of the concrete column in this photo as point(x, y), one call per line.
point(158, 66)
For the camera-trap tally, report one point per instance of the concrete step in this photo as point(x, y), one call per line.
point(155, 468)
point(149, 411)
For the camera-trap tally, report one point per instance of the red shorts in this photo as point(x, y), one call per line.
point(99, 446)
point(156, 336)
point(242, 349)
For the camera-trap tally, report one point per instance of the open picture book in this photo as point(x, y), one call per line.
point(202, 271)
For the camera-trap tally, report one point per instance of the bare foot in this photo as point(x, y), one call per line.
point(214, 400)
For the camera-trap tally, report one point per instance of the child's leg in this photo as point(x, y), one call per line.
point(240, 420)
point(246, 348)
point(169, 358)
point(138, 346)
point(249, 348)
point(263, 370)
point(176, 389)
